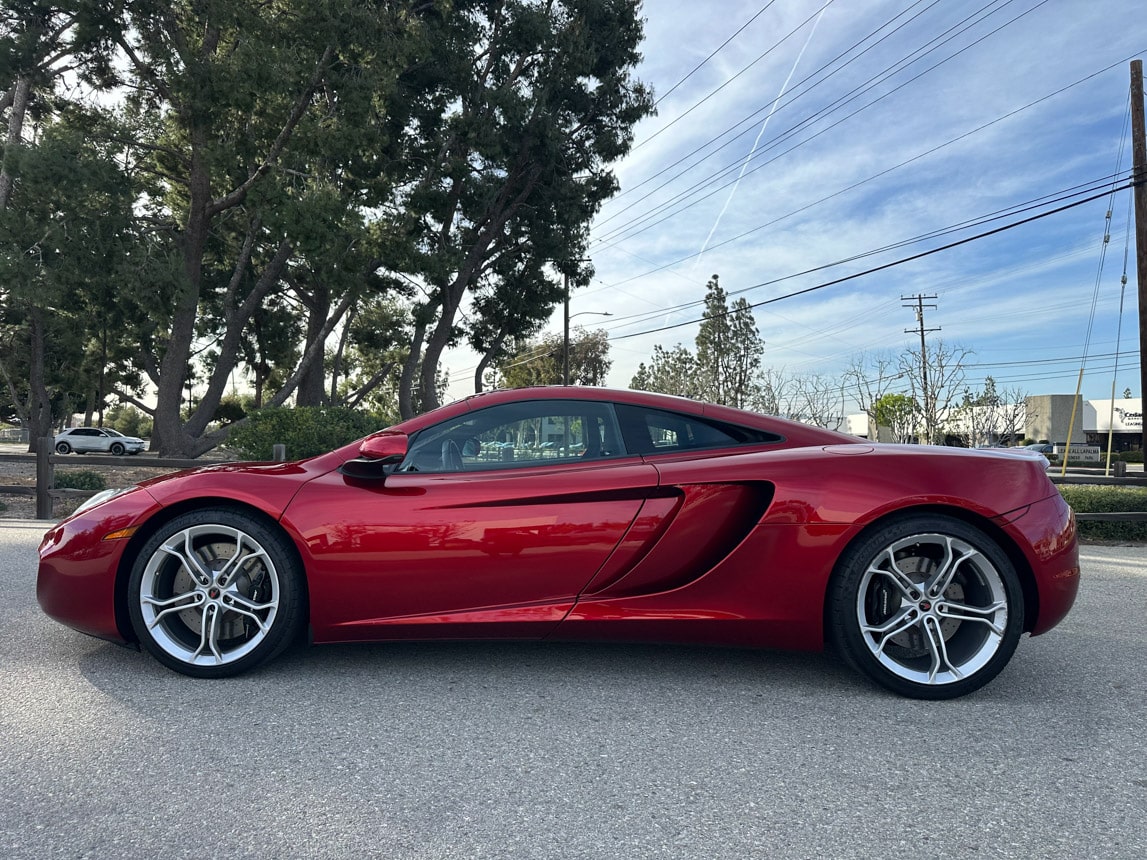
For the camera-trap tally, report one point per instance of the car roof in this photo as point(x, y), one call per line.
point(792, 430)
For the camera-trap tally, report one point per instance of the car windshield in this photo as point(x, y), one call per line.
point(111, 432)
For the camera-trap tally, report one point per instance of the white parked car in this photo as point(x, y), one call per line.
point(97, 440)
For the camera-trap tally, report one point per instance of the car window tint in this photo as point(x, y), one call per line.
point(654, 431)
point(517, 435)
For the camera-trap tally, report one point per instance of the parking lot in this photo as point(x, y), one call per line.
point(571, 751)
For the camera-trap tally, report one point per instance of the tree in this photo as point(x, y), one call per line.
point(539, 362)
point(291, 162)
point(936, 380)
point(775, 388)
point(726, 366)
point(510, 309)
point(899, 413)
point(61, 254)
point(671, 371)
point(519, 110)
point(1013, 413)
point(991, 415)
point(249, 120)
point(870, 377)
point(816, 400)
point(40, 42)
point(979, 414)
point(729, 349)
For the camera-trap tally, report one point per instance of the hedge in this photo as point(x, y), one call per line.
point(306, 431)
point(1089, 499)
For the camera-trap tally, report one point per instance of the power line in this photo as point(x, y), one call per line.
point(760, 57)
point(1011, 211)
point(701, 64)
point(750, 119)
point(637, 225)
point(892, 264)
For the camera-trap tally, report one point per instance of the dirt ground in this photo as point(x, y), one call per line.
point(19, 473)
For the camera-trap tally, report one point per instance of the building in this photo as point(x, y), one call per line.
point(1121, 419)
point(1043, 418)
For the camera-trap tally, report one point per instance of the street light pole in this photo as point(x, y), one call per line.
point(566, 338)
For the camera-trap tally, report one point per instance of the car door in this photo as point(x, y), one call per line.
point(88, 439)
point(492, 525)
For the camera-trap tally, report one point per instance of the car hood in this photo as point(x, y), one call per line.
point(266, 486)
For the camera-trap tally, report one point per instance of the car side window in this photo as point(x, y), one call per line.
point(655, 431)
point(517, 436)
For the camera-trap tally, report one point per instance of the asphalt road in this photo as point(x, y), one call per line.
point(570, 751)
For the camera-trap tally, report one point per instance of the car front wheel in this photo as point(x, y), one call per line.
point(216, 592)
point(63, 448)
point(118, 449)
point(927, 606)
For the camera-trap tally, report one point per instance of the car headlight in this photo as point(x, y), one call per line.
point(101, 497)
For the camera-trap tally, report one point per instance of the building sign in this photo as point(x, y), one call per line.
point(1119, 416)
point(1079, 453)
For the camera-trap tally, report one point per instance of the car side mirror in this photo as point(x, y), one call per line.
point(377, 455)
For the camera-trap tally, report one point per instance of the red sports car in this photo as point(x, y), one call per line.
point(582, 513)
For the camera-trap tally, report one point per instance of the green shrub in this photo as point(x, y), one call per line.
point(1129, 456)
point(1091, 499)
point(128, 420)
point(81, 479)
point(306, 431)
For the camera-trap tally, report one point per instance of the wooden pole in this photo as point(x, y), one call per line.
point(1139, 160)
point(566, 335)
point(45, 478)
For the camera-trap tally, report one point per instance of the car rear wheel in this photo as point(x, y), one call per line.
point(216, 592)
point(63, 448)
point(927, 606)
point(118, 449)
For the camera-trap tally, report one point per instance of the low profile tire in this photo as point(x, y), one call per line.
point(926, 606)
point(63, 448)
point(118, 449)
point(216, 592)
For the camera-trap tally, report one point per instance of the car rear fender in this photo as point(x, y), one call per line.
point(994, 527)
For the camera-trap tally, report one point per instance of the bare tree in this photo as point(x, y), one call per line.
point(1013, 413)
point(936, 382)
point(816, 400)
point(871, 376)
point(775, 389)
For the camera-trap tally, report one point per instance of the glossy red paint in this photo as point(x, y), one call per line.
point(1045, 533)
point(733, 544)
point(422, 546)
point(77, 578)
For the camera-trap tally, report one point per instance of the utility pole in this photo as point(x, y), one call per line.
point(566, 334)
point(1139, 160)
point(917, 301)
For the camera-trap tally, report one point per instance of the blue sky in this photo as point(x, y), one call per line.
point(859, 124)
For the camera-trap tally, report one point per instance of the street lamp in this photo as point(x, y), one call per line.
point(566, 337)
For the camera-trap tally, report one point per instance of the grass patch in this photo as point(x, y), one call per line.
point(1086, 499)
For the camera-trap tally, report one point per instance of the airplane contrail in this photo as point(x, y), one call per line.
point(757, 142)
